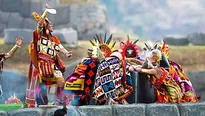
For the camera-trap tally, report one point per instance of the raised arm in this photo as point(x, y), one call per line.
point(43, 17)
point(19, 41)
point(41, 21)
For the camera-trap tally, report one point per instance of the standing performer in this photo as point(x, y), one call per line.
point(46, 68)
point(4, 56)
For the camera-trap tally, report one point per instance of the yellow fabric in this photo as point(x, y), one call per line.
point(37, 16)
point(59, 79)
point(76, 85)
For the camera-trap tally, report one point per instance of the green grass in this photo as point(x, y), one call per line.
point(10, 107)
point(190, 57)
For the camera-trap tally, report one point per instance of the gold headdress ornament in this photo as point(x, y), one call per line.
point(106, 46)
point(48, 9)
point(37, 17)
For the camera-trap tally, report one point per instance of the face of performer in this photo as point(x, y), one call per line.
point(49, 26)
point(130, 52)
point(154, 56)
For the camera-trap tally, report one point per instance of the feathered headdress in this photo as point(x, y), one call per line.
point(163, 47)
point(105, 45)
point(129, 48)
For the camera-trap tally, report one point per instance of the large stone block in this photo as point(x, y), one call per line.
point(129, 110)
point(4, 17)
point(162, 110)
point(3, 113)
point(89, 34)
point(29, 6)
point(26, 112)
point(198, 80)
point(62, 16)
point(2, 26)
point(67, 35)
point(192, 109)
point(10, 35)
point(0, 3)
point(1, 33)
point(74, 111)
point(49, 112)
point(29, 23)
point(11, 5)
point(105, 110)
point(88, 20)
point(15, 21)
point(13, 83)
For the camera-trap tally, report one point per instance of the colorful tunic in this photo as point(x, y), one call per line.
point(183, 81)
point(46, 59)
point(109, 81)
point(167, 90)
point(80, 82)
point(47, 50)
point(43, 68)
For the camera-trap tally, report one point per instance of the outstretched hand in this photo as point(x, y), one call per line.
point(68, 54)
point(19, 41)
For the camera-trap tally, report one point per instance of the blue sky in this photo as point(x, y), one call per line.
point(157, 18)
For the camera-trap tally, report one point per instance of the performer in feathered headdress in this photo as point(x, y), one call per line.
point(46, 67)
point(176, 71)
point(166, 88)
point(79, 84)
point(170, 83)
point(113, 79)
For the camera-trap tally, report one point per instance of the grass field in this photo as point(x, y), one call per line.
point(190, 57)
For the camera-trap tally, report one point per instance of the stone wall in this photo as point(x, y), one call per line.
point(186, 109)
point(87, 19)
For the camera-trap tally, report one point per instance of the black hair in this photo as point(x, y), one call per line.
point(60, 112)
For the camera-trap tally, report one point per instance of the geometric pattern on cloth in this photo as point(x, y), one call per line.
point(108, 82)
point(89, 75)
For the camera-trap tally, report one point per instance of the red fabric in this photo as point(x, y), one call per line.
point(56, 40)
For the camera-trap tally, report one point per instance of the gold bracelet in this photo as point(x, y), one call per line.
point(18, 46)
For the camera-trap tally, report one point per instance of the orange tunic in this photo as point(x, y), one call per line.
point(43, 52)
point(167, 90)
